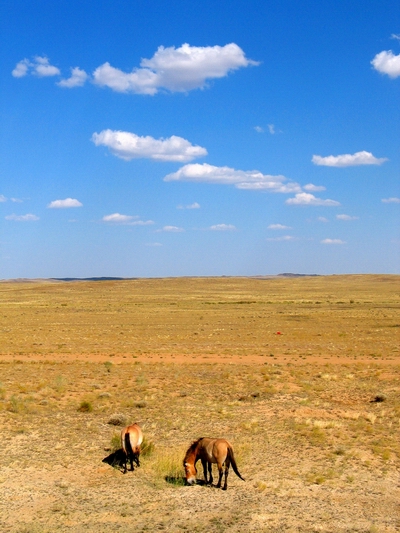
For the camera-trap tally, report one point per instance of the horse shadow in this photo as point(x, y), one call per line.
point(181, 481)
point(116, 459)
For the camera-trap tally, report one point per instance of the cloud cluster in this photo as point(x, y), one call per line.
point(387, 62)
point(305, 198)
point(128, 146)
point(40, 66)
point(251, 179)
point(77, 79)
point(22, 218)
point(174, 69)
point(271, 129)
point(4, 199)
point(348, 160)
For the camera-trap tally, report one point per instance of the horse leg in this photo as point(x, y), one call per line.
point(136, 457)
point(226, 475)
point(131, 460)
point(204, 464)
point(124, 464)
point(210, 477)
point(220, 473)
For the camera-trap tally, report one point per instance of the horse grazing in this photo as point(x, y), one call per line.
point(210, 451)
point(131, 439)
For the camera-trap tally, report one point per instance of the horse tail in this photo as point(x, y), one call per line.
point(233, 462)
point(127, 444)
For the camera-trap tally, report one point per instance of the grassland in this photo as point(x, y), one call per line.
point(289, 370)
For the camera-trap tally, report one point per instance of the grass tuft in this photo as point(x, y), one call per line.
point(85, 407)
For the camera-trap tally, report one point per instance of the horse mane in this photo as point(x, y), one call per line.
point(192, 448)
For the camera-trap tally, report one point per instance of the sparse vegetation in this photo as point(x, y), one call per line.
point(305, 422)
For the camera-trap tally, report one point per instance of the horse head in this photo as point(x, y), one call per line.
point(190, 473)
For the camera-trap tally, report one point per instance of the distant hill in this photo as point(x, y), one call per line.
point(103, 278)
point(290, 275)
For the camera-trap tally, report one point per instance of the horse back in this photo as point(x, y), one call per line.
point(132, 435)
point(214, 450)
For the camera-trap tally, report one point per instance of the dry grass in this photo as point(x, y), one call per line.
point(318, 451)
point(346, 316)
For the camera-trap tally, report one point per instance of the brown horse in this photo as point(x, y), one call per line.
point(131, 439)
point(210, 451)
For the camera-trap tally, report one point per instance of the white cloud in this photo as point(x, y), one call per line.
point(77, 79)
point(310, 187)
point(22, 218)
point(3, 198)
point(194, 205)
point(271, 129)
point(332, 241)
point(278, 226)
point(128, 146)
point(142, 223)
point(153, 244)
point(348, 160)
point(175, 69)
point(64, 204)
point(118, 218)
point(223, 227)
point(304, 198)
point(251, 179)
point(139, 81)
point(346, 217)
point(392, 200)
point(40, 67)
point(387, 63)
point(322, 219)
point(171, 229)
point(21, 69)
point(130, 220)
point(17, 200)
point(280, 239)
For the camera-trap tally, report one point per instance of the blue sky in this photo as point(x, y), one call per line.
point(147, 138)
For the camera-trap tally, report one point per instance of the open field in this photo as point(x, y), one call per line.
point(289, 370)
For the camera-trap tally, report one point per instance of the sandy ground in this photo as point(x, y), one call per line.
point(52, 477)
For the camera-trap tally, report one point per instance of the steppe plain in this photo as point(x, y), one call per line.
point(301, 374)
